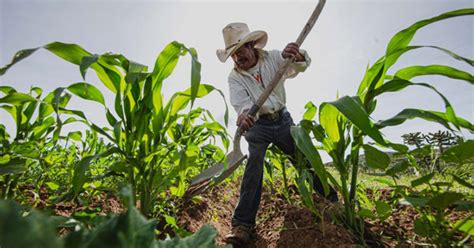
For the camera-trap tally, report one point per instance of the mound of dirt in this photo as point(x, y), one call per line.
point(279, 222)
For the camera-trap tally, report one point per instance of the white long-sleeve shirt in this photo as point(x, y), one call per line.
point(246, 86)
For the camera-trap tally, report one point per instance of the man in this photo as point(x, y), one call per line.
point(253, 70)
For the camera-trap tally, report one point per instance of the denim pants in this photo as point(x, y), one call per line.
point(259, 138)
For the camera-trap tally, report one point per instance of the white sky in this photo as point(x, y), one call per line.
point(348, 36)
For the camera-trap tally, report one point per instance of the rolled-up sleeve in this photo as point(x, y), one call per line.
point(301, 66)
point(239, 96)
point(295, 67)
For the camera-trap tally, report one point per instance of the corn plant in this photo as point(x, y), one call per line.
point(158, 142)
point(20, 227)
point(37, 122)
point(433, 197)
point(344, 123)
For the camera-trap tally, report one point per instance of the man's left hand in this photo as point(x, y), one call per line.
point(292, 50)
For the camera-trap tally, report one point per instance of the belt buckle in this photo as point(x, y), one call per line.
point(274, 116)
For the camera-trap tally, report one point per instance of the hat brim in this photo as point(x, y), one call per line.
point(260, 38)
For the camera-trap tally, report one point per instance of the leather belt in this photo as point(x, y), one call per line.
point(275, 116)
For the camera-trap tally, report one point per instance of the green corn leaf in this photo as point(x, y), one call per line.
point(454, 55)
point(403, 38)
point(397, 46)
point(18, 56)
point(310, 112)
point(414, 201)
point(433, 116)
point(11, 110)
point(80, 177)
point(31, 106)
point(109, 76)
point(415, 71)
point(13, 166)
point(353, 111)
point(464, 206)
point(118, 134)
point(181, 99)
point(77, 135)
point(101, 131)
point(7, 89)
point(366, 213)
point(42, 129)
point(384, 210)
point(72, 112)
point(128, 110)
point(397, 168)
point(52, 186)
point(303, 142)
point(226, 114)
point(331, 121)
point(305, 189)
point(376, 158)
point(87, 91)
point(110, 117)
point(46, 107)
point(4, 136)
point(75, 54)
point(31, 230)
point(72, 120)
point(385, 181)
point(81, 168)
point(463, 182)
point(5, 159)
point(195, 74)
point(165, 64)
point(86, 62)
point(423, 227)
point(118, 105)
point(461, 153)
point(466, 226)
point(69, 52)
point(444, 200)
point(17, 98)
point(398, 84)
point(422, 180)
point(204, 237)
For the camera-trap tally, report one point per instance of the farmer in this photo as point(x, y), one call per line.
point(253, 70)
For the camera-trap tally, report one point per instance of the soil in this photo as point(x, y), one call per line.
point(398, 228)
point(280, 222)
point(101, 204)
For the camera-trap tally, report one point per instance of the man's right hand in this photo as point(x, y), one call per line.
point(245, 121)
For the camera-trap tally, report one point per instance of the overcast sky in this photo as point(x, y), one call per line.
point(348, 36)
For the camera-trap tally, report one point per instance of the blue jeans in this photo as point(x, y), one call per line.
point(259, 138)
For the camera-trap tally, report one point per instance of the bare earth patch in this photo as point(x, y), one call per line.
point(279, 223)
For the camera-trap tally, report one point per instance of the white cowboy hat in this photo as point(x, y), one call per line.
point(237, 34)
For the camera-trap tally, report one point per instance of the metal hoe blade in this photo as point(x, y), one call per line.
point(217, 173)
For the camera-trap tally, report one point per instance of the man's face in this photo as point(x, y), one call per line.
point(245, 57)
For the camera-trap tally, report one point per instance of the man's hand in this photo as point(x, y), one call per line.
point(292, 50)
point(245, 121)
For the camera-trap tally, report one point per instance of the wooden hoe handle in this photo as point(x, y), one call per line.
point(279, 74)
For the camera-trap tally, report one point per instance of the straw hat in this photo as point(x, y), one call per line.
point(237, 34)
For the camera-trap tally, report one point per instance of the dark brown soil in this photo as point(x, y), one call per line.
point(279, 222)
point(398, 228)
point(101, 204)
